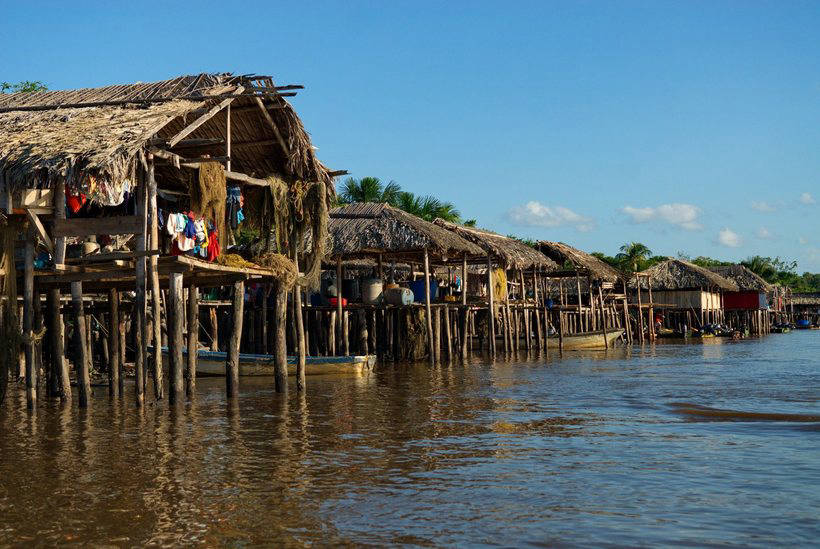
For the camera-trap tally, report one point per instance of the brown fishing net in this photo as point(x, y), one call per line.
point(208, 194)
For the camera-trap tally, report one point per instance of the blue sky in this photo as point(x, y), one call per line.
point(689, 126)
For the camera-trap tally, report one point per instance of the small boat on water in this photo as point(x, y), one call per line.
point(212, 363)
point(785, 329)
point(586, 340)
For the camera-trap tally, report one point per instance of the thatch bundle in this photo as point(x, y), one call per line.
point(745, 279)
point(677, 274)
point(583, 262)
point(284, 268)
point(806, 299)
point(365, 229)
point(510, 253)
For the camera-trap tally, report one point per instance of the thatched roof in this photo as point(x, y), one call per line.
point(676, 274)
point(99, 131)
point(511, 253)
point(582, 261)
point(806, 299)
point(367, 228)
point(745, 279)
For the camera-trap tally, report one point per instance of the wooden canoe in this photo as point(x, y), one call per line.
point(586, 340)
point(212, 363)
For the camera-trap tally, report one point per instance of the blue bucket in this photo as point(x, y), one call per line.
point(417, 287)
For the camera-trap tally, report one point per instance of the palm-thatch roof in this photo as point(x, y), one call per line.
point(99, 132)
point(676, 274)
point(582, 262)
point(806, 299)
point(367, 228)
point(745, 279)
point(511, 253)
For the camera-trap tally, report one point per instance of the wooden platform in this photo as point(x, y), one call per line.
point(121, 274)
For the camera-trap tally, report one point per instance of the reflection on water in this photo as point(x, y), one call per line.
point(705, 443)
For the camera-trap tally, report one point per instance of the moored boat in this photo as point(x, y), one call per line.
point(212, 363)
point(586, 340)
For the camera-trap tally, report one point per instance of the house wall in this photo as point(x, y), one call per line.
point(745, 300)
point(685, 299)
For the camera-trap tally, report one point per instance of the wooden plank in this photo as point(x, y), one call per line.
point(111, 256)
point(130, 224)
point(187, 130)
point(41, 231)
point(37, 198)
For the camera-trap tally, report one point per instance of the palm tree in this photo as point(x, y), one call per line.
point(369, 189)
point(428, 207)
point(761, 266)
point(632, 255)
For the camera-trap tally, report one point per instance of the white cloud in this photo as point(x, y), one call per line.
point(682, 215)
point(762, 206)
point(729, 238)
point(807, 198)
point(764, 233)
point(535, 214)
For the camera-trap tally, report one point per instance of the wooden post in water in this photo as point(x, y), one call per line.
point(83, 366)
point(465, 311)
point(300, 325)
point(28, 320)
point(437, 333)
point(176, 340)
point(427, 308)
point(214, 331)
point(193, 341)
point(650, 313)
point(339, 315)
point(491, 308)
point(114, 365)
point(640, 309)
point(153, 275)
point(57, 328)
point(448, 335)
point(603, 317)
point(232, 363)
point(280, 364)
point(140, 327)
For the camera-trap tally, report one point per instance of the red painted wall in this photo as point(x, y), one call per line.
point(743, 300)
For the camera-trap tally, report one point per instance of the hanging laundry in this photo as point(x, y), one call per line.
point(74, 200)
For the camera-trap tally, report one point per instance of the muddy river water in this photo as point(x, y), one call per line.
point(707, 444)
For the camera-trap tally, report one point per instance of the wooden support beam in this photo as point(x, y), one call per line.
point(300, 326)
point(273, 126)
point(83, 365)
point(176, 340)
point(28, 321)
point(114, 365)
point(141, 327)
point(153, 277)
point(187, 130)
point(491, 307)
point(129, 224)
point(427, 309)
point(232, 364)
point(41, 230)
point(280, 364)
point(193, 341)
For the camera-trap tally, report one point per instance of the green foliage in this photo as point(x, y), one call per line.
point(703, 261)
point(783, 273)
point(526, 241)
point(633, 257)
point(371, 189)
point(470, 223)
point(26, 86)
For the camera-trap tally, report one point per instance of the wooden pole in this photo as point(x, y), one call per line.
point(300, 326)
point(437, 333)
point(232, 363)
point(280, 365)
point(465, 311)
point(228, 137)
point(339, 314)
point(491, 308)
point(650, 316)
point(83, 366)
point(603, 318)
point(177, 340)
point(214, 331)
point(428, 309)
point(28, 319)
point(193, 341)
point(153, 275)
point(114, 365)
point(140, 328)
point(640, 309)
point(448, 335)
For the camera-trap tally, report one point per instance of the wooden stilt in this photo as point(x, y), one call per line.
point(280, 350)
point(437, 333)
point(448, 334)
point(83, 363)
point(153, 276)
point(114, 365)
point(214, 328)
point(232, 364)
point(300, 326)
point(28, 320)
point(464, 311)
point(193, 341)
point(139, 317)
point(491, 307)
point(176, 340)
point(428, 310)
point(640, 311)
point(603, 318)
